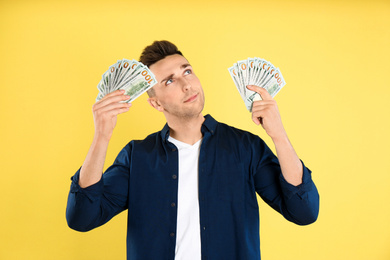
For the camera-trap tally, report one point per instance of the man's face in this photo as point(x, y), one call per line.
point(178, 91)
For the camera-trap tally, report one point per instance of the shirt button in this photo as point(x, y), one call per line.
point(173, 204)
point(174, 176)
point(173, 149)
point(172, 234)
point(204, 228)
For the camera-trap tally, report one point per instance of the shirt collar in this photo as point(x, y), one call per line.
point(209, 125)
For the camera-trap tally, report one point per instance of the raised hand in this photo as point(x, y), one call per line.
point(105, 113)
point(266, 113)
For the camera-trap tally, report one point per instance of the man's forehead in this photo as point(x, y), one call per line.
point(169, 64)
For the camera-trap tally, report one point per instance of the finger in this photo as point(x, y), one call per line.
point(261, 105)
point(107, 116)
point(260, 111)
point(262, 91)
point(112, 106)
point(257, 117)
point(256, 120)
point(115, 93)
point(265, 110)
point(117, 111)
point(112, 94)
point(111, 99)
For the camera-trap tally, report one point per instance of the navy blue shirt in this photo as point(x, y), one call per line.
point(234, 165)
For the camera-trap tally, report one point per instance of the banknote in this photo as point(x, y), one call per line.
point(131, 75)
point(258, 72)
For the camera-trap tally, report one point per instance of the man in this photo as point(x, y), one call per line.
point(190, 189)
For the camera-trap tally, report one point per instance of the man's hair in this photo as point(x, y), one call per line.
point(155, 52)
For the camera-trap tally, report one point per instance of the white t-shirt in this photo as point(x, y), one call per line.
point(188, 224)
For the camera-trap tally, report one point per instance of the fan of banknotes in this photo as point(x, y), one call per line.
point(132, 76)
point(258, 72)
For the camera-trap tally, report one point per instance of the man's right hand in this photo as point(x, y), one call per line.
point(105, 112)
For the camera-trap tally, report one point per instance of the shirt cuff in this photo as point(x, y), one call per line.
point(92, 192)
point(290, 190)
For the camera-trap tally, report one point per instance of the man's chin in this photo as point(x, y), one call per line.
point(187, 115)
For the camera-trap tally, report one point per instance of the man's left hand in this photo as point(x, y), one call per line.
point(266, 113)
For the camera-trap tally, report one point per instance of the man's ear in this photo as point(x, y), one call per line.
point(155, 104)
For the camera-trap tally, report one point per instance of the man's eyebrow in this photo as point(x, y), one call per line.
point(166, 78)
point(170, 76)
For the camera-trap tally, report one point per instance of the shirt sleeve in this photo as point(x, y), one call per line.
point(298, 204)
point(94, 205)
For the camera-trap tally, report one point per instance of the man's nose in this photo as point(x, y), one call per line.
point(186, 85)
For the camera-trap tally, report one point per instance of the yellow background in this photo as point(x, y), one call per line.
point(335, 107)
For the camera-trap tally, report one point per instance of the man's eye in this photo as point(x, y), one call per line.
point(187, 72)
point(169, 81)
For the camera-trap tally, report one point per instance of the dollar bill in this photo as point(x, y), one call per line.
point(258, 72)
point(132, 76)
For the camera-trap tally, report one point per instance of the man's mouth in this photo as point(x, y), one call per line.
point(192, 98)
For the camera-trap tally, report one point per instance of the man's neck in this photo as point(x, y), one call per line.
point(186, 130)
